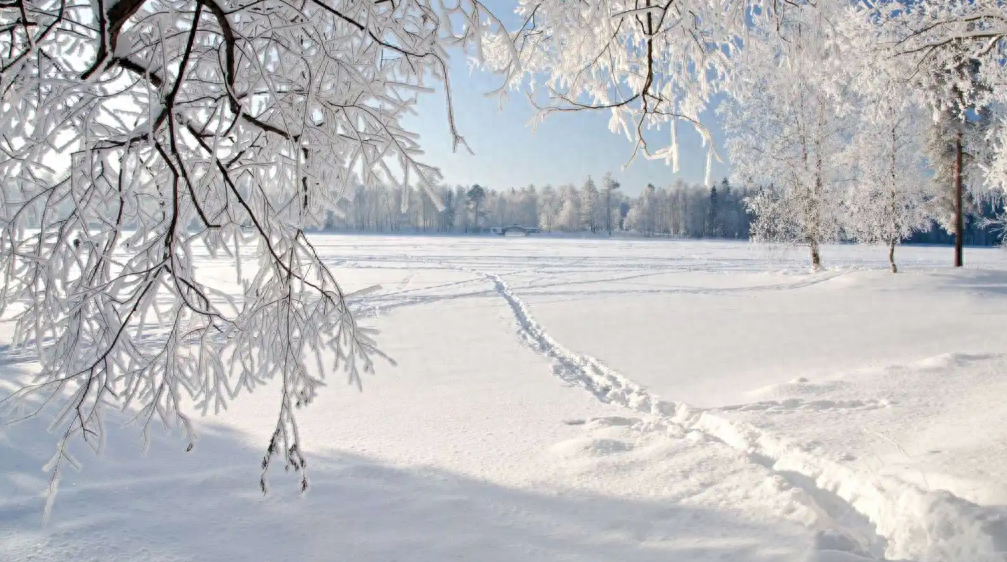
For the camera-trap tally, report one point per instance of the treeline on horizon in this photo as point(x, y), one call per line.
point(679, 210)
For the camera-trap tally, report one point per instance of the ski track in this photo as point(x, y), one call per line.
point(820, 278)
point(792, 404)
point(885, 515)
point(398, 299)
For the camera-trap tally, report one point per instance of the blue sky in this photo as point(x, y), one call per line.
point(566, 148)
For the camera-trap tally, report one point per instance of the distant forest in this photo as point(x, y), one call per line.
point(679, 210)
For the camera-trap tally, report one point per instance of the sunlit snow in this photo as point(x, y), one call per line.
point(566, 399)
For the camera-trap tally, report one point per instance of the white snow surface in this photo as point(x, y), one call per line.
point(586, 400)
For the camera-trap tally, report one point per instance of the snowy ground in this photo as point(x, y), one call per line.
point(586, 400)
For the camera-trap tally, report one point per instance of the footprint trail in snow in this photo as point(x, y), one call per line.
point(858, 514)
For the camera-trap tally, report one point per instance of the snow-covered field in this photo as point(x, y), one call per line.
point(589, 400)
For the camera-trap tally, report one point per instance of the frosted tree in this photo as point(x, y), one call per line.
point(675, 209)
point(648, 64)
point(450, 212)
point(891, 198)
point(953, 143)
point(497, 207)
point(476, 197)
point(529, 207)
point(548, 208)
point(138, 134)
point(789, 125)
point(642, 215)
point(569, 217)
point(609, 187)
point(956, 50)
point(590, 204)
point(634, 218)
point(459, 204)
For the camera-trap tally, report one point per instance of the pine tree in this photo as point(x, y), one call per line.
point(448, 214)
point(713, 216)
point(730, 211)
point(958, 122)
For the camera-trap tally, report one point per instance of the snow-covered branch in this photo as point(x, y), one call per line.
point(140, 134)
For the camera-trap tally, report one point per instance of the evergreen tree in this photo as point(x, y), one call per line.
point(476, 196)
point(958, 125)
point(448, 214)
point(713, 216)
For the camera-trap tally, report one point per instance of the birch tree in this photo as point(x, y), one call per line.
point(569, 217)
point(609, 186)
point(892, 197)
point(788, 124)
point(590, 204)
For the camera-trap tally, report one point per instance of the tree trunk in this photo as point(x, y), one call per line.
point(959, 219)
point(891, 257)
point(894, 201)
point(816, 258)
point(815, 218)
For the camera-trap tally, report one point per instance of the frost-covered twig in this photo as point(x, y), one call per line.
point(140, 136)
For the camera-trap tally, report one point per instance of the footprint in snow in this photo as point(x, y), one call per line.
point(590, 447)
point(614, 421)
point(607, 421)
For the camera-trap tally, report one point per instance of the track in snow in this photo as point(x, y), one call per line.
point(886, 517)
